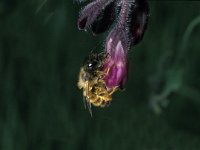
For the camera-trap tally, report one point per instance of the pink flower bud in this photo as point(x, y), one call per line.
point(116, 65)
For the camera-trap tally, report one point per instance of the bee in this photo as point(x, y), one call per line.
point(91, 81)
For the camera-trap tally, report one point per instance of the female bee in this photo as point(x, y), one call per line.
point(91, 81)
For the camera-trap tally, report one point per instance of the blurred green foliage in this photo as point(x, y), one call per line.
point(41, 51)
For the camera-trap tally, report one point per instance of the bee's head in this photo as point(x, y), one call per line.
point(92, 63)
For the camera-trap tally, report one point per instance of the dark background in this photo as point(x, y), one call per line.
point(41, 108)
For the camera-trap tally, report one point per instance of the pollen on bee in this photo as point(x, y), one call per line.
point(91, 81)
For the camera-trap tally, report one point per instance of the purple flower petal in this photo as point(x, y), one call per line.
point(116, 66)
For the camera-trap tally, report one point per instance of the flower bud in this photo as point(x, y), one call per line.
point(116, 66)
point(139, 17)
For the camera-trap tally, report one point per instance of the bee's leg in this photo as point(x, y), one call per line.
point(103, 103)
point(93, 99)
point(99, 90)
point(113, 90)
point(105, 97)
point(102, 81)
point(98, 102)
point(100, 74)
point(102, 92)
point(107, 70)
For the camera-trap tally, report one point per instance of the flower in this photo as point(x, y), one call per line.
point(131, 19)
point(132, 15)
point(116, 66)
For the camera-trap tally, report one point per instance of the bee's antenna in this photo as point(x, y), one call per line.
point(95, 47)
point(92, 51)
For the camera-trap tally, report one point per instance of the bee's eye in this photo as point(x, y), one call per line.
point(92, 65)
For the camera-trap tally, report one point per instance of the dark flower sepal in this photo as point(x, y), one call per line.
point(99, 15)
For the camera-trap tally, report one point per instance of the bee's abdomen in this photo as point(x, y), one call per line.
point(99, 95)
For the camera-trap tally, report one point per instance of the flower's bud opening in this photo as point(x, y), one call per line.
point(115, 66)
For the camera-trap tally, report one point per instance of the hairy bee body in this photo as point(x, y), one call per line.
point(91, 81)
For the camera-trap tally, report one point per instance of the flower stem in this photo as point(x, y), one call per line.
point(123, 16)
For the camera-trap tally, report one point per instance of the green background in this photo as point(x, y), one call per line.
point(41, 108)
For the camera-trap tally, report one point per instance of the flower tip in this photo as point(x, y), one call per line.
point(116, 66)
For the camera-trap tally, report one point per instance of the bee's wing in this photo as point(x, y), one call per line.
point(87, 105)
point(89, 108)
point(84, 101)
